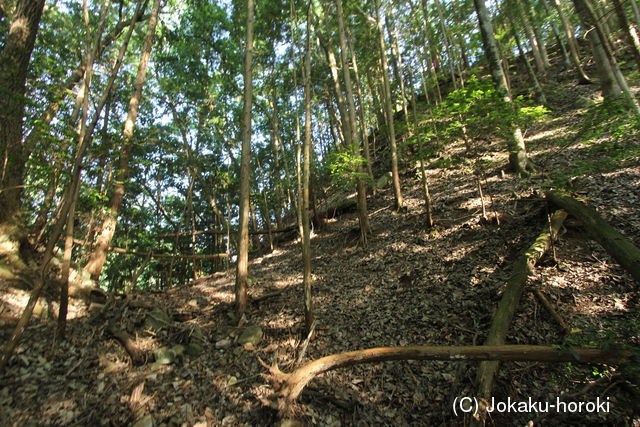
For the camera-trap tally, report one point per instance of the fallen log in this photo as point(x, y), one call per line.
point(511, 298)
point(618, 246)
point(224, 232)
point(289, 386)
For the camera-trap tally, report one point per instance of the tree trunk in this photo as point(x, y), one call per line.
point(517, 151)
point(388, 107)
point(74, 189)
point(540, 98)
point(446, 38)
point(307, 279)
point(535, 48)
point(14, 64)
point(612, 79)
point(242, 268)
point(361, 186)
point(556, 34)
point(630, 32)
point(539, 39)
point(99, 254)
point(572, 43)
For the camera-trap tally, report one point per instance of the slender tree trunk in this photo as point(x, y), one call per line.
point(556, 34)
point(242, 269)
point(396, 61)
point(535, 48)
point(399, 200)
point(446, 38)
point(571, 42)
point(423, 169)
point(307, 279)
point(75, 187)
point(337, 88)
point(361, 186)
point(630, 31)
point(539, 39)
point(361, 111)
point(517, 151)
point(431, 61)
point(532, 76)
point(610, 72)
point(99, 254)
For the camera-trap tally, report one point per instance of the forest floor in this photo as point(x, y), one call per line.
point(411, 286)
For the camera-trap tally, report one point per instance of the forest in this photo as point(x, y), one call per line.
point(321, 212)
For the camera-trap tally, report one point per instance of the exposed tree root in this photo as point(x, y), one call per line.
point(137, 356)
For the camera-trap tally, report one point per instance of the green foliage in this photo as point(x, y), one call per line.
point(608, 131)
point(478, 111)
point(611, 120)
point(345, 166)
point(607, 334)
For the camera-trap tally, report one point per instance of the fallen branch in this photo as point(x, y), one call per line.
point(552, 311)
point(511, 298)
point(152, 255)
point(618, 246)
point(289, 386)
point(267, 296)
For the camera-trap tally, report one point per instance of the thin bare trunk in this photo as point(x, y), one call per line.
point(517, 151)
point(399, 200)
point(571, 42)
point(307, 279)
point(242, 269)
point(99, 255)
point(361, 186)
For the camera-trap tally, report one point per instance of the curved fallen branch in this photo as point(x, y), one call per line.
point(618, 246)
point(289, 386)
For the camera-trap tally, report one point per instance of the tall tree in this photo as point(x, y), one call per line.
point(388, 108)
point(517, 150)
point(353, 128)
point(14, 64)
point(99, 254)
point(242, 267)
point(572, 43)
point(307, 278)
point(612, 82)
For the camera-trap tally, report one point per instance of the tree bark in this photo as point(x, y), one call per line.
point(618, 246)
point(603, 50)
point(630, 32)
point(571, 42)
point(99, 254)
point(393, 147)
point(14, 64)
point(307, 279)
point(363, 219)
point(242, 268)
point(540, 98)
